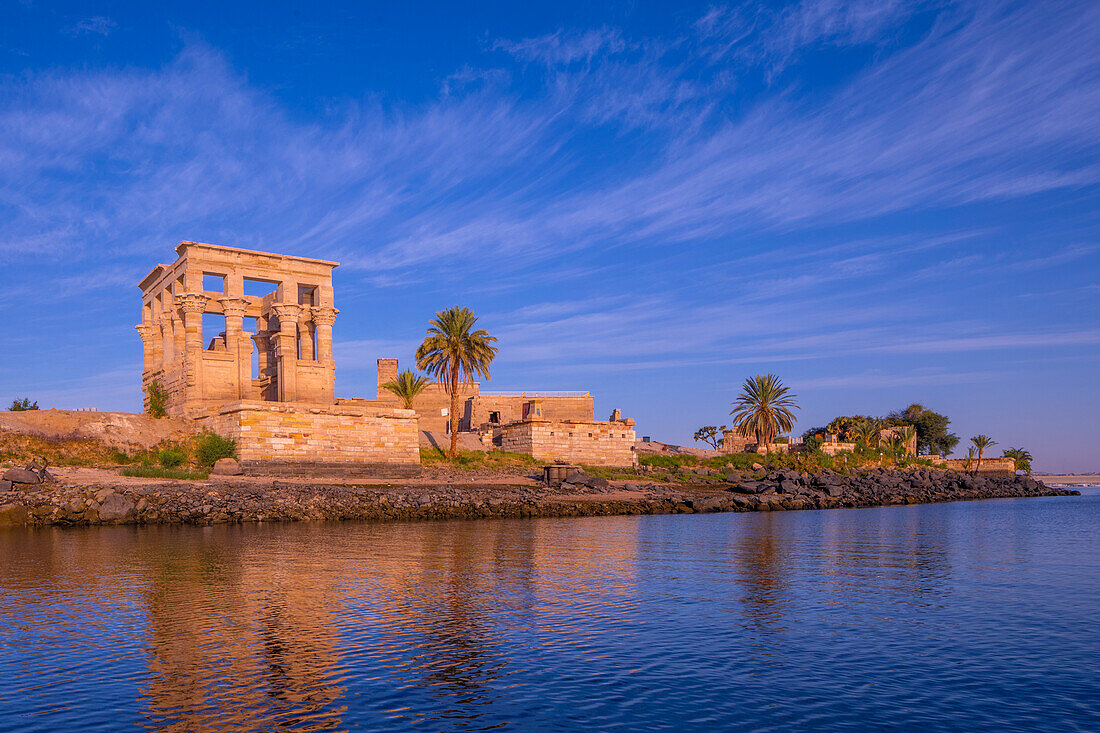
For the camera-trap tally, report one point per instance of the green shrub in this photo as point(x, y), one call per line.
point(181, 474)
point(23, 405)
point(171, 457)
point(118, 457)
point(668, 461)
point(210, 447)
point(158, 399)
point(813, 443)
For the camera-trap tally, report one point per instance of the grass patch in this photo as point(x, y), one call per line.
point(470, 460)
point(181, 474)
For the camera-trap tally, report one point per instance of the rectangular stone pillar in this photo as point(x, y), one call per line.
point(238, 343)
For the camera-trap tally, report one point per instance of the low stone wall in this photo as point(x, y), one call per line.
point(595, 443)
point(290, 438)
point(989, 464)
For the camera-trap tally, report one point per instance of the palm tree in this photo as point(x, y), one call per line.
point(763, 408)
point(455, 353)
point(867, 432)
point(981, 442)
point(407, 386)
point(969, 459)
point(1022, 458)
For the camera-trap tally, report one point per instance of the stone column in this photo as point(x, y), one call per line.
point(167, 343)
point(147, 347)
point(305, 334)
point(323, 318)
point(238, 343)
point(192, 306)
point(286, 350)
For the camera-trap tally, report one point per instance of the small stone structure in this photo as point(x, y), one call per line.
point(265, 376)
point(590, 442)
point(990, 464)
point(478, 409)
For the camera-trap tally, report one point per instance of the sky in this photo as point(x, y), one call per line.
point(879, 202)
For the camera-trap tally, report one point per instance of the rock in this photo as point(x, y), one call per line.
point(834, 491)
point(424, 499)
point(566, 486)
point(102, 494)
point(577, 477)
point(708, 504)
point(227, 467)
point(757, 467)
point(751, 487)
point(13, 515)
point(598, 483)
point(788, 486)
point(5, 485)
point(115, 507)
point(22, 476)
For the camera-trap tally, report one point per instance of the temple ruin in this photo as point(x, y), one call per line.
point(241, 341)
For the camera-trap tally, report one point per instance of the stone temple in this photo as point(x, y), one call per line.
point(241, 341)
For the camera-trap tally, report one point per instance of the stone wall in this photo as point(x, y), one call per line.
point(308, 439)
point(990, 464)
point(594, 443)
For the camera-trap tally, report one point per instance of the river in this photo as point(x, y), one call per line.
point(970, 615)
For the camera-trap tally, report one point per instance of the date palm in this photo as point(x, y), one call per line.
point(867, 432)
point(407, 386)
point(1022, 458)
point(454, 352)
point(763, 408)
point(981, 442)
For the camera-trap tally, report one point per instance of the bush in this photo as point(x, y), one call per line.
point(181, 474)
point(210, 447)
point(171, 457)
point(119, 457)
point(813, 443)
point(158, 399)
point(23, 405)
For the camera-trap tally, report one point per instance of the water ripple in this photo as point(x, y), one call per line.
point(977, 615)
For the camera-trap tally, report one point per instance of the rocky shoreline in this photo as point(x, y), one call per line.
point(55, 503)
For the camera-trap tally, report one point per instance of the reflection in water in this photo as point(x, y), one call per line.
point(550, 623)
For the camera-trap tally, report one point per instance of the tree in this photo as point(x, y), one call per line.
point(407, 386)
point(763, 408)
point(1022, 458)
point(158, 399)
point(23, 405)
point(455, 353)
point(868, 432)
point(931, 427)
point(710, 434)
point(846, 426)
point(981, 442)
point(969, 459)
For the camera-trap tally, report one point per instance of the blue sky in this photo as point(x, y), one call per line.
point(880, 202)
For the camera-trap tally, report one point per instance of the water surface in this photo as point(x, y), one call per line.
point(976, 615)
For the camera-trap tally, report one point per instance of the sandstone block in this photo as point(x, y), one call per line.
point(227, 467)
point(22, 476)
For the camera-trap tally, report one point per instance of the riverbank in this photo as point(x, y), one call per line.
point(113, 500)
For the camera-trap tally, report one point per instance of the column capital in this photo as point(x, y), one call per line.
point(192, 302)
point(145, 329)
point(233, 307)
point(324, 315)
point(287, 312)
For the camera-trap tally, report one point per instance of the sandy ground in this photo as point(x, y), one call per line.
point(1078, 479)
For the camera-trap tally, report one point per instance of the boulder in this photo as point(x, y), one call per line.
point(227, 467)
point(751, 487)
point(22, 476)
point(116, 507)
point(579, 478)
point(708, 504)
point(5, 485)
point(13, 515)
point(789, 486)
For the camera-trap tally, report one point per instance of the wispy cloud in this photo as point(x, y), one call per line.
point(98, 25)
